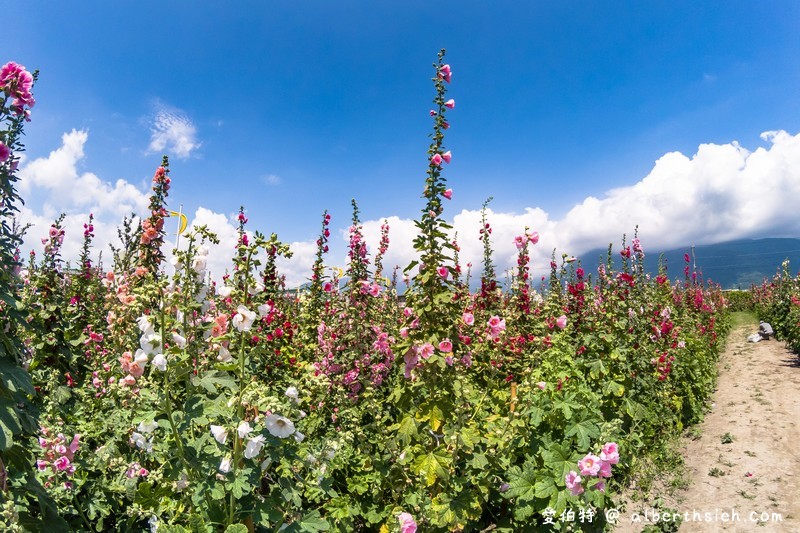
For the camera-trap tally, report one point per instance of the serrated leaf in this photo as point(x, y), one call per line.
point(432, 466)
point(521, 482)
point(583, 431)
point(236, 528)
point(407, 429)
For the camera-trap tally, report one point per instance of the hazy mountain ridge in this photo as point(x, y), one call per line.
point(734, 264)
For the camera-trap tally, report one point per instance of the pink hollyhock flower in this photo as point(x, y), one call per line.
point(5, 153)
point(450, 104)
point(404, 333)
point(327, 287)
point(447, 156)
point(468, 319)
point(41, 464)
point(589, 465)
point(17, 82)
point(426, 350)
point(561, 322)
point(449, 360)
point(374, 289)
point(610, 453)
point(519, 242)
point(446, 346)
point(542, 385)
point(573, 482)
point(411, 358)
point(407, 523)
point(408, 311)
point(436, 159)
point(445, 73)
point(605, 469)
point(443, 272)
point(534, 237)
point(448, 194)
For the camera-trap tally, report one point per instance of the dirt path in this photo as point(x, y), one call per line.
point(744, 459)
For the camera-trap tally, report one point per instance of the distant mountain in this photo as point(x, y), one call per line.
point(733, 265)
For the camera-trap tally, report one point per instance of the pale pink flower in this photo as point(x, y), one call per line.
point(589, 465)
point(534, 237)
point(468, 319)
point(448, 194)
point(411, 358)
point(519, 242)
point(600, 486)
point(542, 385)
point(436, 159)
point(610, 453)
point(446, 346)
point(450, 104)
point(407, 523)
point(447, 156)
point(573, 482)
point(561, 322)
point(605, 469)
point(404, 333)
point(408, 311)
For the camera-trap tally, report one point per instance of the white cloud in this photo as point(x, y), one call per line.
point(723, 192)
point(172, 131)
point(272, 179)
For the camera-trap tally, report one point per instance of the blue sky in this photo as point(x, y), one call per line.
point(295, 107)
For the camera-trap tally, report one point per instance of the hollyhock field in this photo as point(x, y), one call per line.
point(140, 395)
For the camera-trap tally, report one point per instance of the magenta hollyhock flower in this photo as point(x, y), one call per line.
point(450, 104)
point(443, 272)
point(62, 464)
point(561, 322)
point(600, 486)
point(436, 159)
point(5, 153)
point(519, 242)
point(534, 237)
point(17, 82)
point(447, 156)
point(411, 359)
point(589, 465)
point(448, 194)
point(407, 523)
point(446, 346)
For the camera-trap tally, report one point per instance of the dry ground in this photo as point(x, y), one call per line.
point(743, 462)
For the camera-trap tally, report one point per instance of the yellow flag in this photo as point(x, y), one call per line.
point(184, 222)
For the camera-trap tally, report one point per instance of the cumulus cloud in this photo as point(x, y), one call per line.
point(722, 192)
point(173, 132)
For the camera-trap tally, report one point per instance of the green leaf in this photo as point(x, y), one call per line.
point(583, 430)
point(313, 521)
point(236, 528)
point(546, 488)
point(613, 388)
point(407, 429)
point(522, 483)
point(432, 466)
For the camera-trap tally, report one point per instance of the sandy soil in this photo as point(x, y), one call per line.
point(743, 461)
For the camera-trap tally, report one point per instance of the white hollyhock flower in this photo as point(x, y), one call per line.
point(243, 319)
point(224, 291)
point(160, 362)
point(244, 429)
point(139, 440)
point(147, 427)
point(254, 446)
point(145, 326)
point(220, 433)
point(179, 340)
point(256, 288)
point(292, 393)
point(265, 309)
point(299, 437)
point(279, 426)
point(224, 355)
point(225, 465)
point(150, 342)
